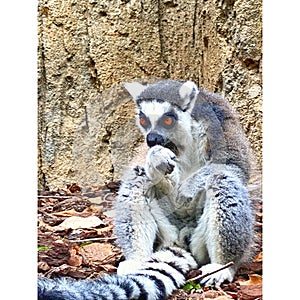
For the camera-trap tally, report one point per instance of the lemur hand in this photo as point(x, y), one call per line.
point(160, 161)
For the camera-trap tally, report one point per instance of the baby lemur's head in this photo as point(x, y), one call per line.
point(164, 112)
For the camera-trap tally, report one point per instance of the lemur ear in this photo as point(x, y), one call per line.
point(134, 89)
point(188, 93)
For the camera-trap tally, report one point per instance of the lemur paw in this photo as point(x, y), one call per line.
point(186, 193)
point(217, 278)
point(191, 187)
point(134, 173)
point(160, 160)
point(129, 266)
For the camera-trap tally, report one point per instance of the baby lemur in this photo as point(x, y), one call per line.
point(192, 191)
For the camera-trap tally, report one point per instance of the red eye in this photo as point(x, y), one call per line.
point(143, 121)
point(168, 121)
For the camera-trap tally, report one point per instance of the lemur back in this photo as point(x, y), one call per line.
point(192, 190)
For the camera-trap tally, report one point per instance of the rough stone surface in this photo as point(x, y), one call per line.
point(88, 48)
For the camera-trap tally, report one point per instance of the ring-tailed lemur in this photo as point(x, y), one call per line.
point(155, 279)
point(192, 191)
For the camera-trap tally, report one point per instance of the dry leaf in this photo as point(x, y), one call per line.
point(250, 292)
point(65, 213)
point(259, 257)
point(105, 229)
point(254, 279)
point(73, 188)
point(109, 268)
point(252, 288)
point(74, 260)
point(76, 222)
point(211, 294)
point(72, 212)
point(96, 253)
point(44, 225)
point(43, 266)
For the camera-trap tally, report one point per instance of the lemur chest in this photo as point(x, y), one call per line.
point(173, 202)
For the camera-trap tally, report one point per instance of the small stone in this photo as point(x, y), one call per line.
point(254, 91)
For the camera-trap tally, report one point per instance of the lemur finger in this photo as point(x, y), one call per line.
point(170, 169)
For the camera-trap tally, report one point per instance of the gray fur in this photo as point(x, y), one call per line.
point(192, 191)
point(167, 90)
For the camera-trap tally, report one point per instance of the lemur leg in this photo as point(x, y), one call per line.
point(167, 234)
point(224, 230)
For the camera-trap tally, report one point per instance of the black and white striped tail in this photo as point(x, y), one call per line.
point(158, 277)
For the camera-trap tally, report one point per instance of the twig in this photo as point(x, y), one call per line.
point(53, 196)
point(199, 277)
point(92, 239)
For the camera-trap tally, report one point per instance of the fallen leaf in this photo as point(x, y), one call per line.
point(76, 222)
point(210, 294)
point(65, 213)
point(252, 288)
point(60, 270)
point(44, 225)
point(250, 292)
point(114, 185)
point(96, 253)
point(74, 260)
point(43, 266)
point(71, 213)
point(105, 229)
point(73, 187)
point(233, 295)
point(77, 203)
point(109, 268)
point(254, 279)
point(259, 257)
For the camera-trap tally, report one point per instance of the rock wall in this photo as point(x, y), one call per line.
point(88, 48)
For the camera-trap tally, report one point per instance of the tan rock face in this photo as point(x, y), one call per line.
point(87, 49)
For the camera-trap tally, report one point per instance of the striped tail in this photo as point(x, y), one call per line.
point(158, 277)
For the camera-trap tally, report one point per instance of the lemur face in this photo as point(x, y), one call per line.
point(159, 123)
point(164, 113)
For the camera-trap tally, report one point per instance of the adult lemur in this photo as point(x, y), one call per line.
point(191, 197)
point(192, 191)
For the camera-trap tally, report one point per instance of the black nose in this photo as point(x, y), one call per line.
point(154, 139)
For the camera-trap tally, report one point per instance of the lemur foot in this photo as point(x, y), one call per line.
point(217, 278)
point(129, 266)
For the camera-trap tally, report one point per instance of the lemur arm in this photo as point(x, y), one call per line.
point(135, 226)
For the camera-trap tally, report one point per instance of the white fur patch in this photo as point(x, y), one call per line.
point(134, 89)
point(129, 266)
point(187, 88)
point(154, 110)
